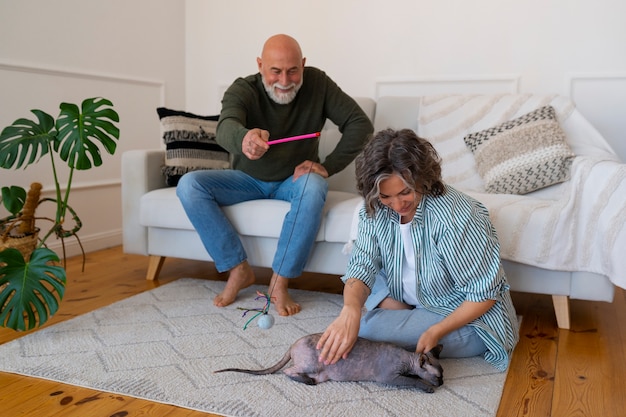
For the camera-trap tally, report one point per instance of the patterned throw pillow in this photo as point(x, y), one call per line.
point(522, 155)
point(190, 144)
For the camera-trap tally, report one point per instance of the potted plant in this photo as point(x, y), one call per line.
point(32, 280)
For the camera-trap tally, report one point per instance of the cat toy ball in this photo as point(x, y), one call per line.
point(266, 320)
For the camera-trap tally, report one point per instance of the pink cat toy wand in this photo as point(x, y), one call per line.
point(292, 138)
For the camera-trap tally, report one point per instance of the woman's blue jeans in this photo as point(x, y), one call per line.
point(203, 192)
point(404, 327)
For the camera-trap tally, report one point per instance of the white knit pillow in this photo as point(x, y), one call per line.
point(523, 154)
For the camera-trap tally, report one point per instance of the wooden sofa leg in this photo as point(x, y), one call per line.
point(154, 267)
point(561, 308)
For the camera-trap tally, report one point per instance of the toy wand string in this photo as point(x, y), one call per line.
point(266, 320)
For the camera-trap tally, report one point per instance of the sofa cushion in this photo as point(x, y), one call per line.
point(190, 144)
point(522, 155)
point(340, 208)
point(161, 208)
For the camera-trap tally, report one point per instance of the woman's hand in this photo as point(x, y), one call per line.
point(464, 314)
point(340, 336)
point(429, 339)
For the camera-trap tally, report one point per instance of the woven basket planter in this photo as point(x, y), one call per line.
point(25, 243)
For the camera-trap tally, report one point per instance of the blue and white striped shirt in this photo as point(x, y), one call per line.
point(457, 258)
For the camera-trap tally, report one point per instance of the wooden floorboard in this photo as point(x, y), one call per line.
point(553, 373)
point(530, 379)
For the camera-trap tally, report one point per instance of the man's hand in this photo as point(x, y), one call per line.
point(309, 166)
point(254, 144)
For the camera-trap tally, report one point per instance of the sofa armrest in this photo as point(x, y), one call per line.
point(141, 172)
point(585, 139)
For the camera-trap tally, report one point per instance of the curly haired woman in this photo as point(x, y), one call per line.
point(425, 268)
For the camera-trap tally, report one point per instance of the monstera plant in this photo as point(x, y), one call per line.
point(32, 278)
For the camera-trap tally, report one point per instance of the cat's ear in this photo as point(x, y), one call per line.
point(436, 351)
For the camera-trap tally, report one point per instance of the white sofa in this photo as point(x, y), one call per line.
point(563, 263)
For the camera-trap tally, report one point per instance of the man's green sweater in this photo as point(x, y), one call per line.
point(246, 106)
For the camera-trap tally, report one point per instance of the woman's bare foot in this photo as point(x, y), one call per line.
point(392, 304)
point(240, 277)
point(283, 303)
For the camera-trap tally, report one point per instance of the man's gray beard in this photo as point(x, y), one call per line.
point(282, 98)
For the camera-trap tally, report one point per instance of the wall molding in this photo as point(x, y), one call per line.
point(577, 78)
point(419, 86)
point(601, 98)
point(85, 185)
point(81, 74)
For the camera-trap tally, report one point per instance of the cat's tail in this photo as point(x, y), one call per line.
point(273, 369)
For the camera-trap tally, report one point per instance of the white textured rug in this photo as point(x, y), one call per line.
point(163, 345)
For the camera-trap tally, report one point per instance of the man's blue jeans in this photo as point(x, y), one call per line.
point(203, 192)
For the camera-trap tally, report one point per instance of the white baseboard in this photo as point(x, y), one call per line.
point(90, 243)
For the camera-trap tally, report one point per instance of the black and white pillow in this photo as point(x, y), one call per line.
point(190, 144)
point(523, 154)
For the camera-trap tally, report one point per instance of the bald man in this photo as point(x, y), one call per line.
point(285, 98)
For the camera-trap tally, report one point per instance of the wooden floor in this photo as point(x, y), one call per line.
point(581, 372)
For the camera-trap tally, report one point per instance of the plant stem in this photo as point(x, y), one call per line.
point(60, 212)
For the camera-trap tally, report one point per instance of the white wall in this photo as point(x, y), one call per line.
point(570, 47)
point(131, 52)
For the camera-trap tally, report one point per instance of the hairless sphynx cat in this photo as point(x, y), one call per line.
point(380, 362)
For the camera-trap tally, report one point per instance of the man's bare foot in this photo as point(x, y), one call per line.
point(240, 277)
point(392, 304)
point(283, 303)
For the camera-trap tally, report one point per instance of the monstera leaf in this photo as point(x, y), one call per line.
point(30, 291)
point(26, 141)
point(13, 198)
point(76, 127)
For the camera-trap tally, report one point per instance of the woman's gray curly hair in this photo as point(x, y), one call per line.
point(399, 152)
